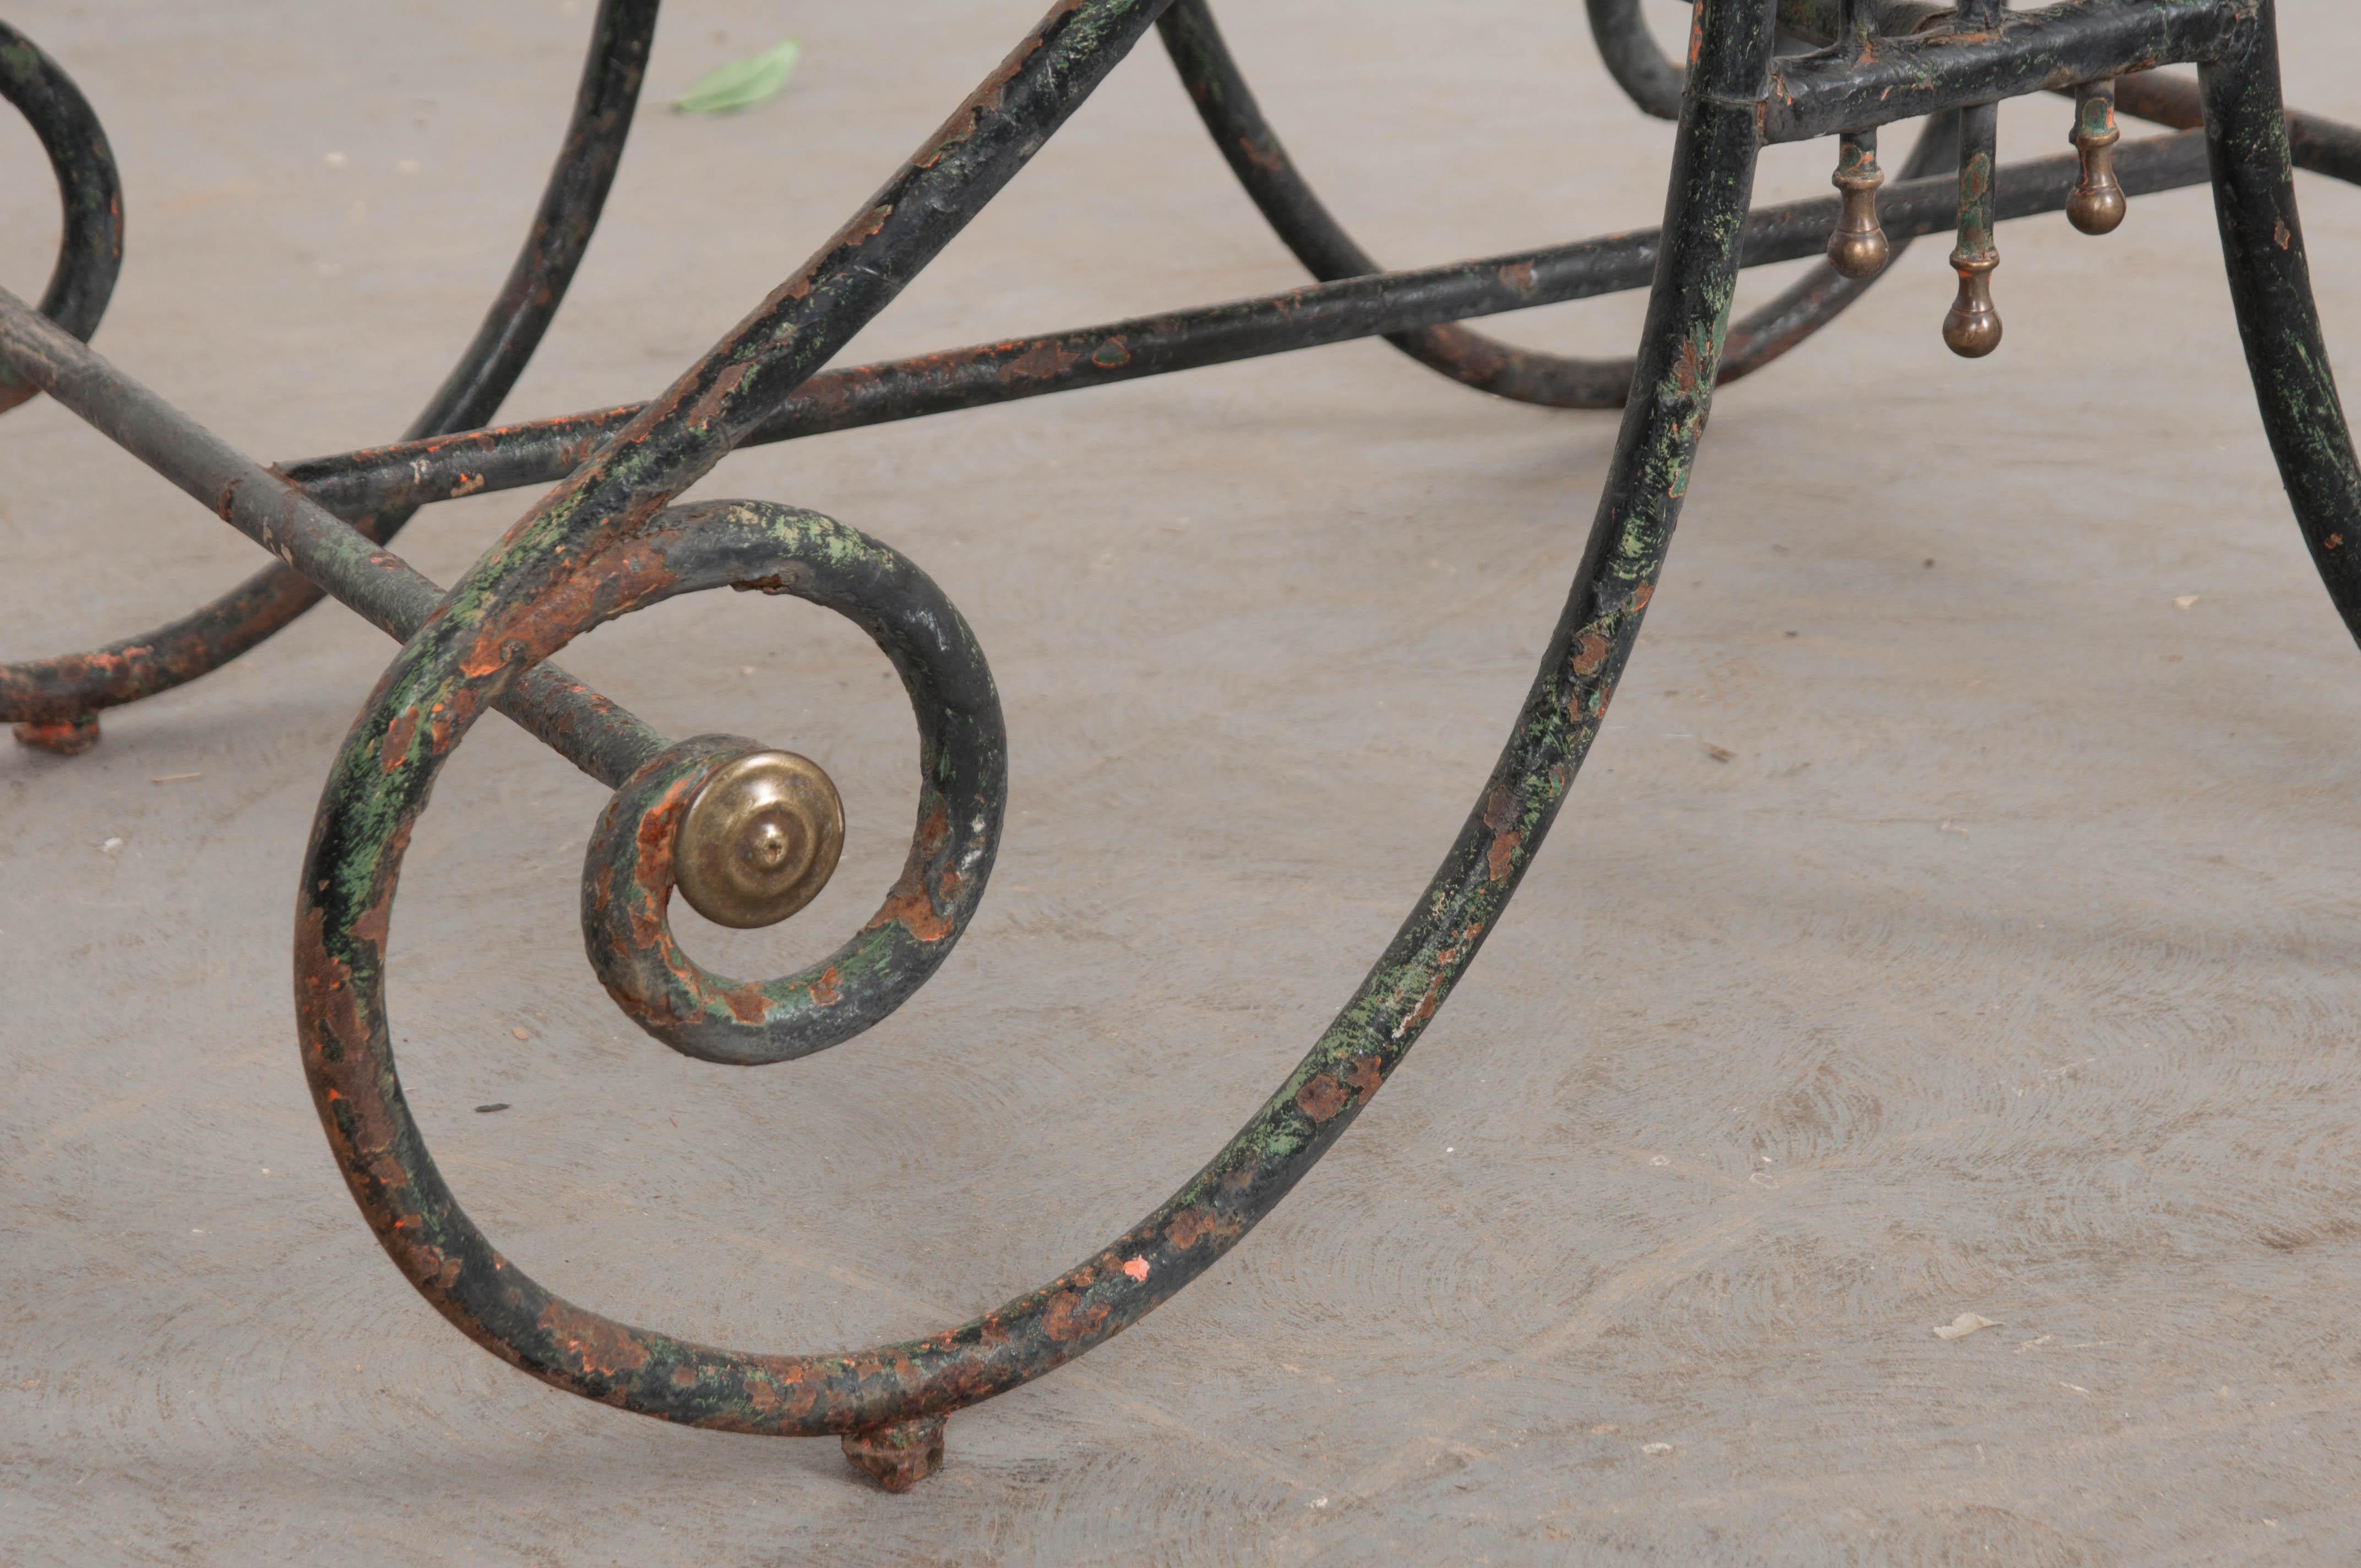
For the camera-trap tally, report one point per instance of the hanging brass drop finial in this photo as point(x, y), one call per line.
point(1858, 249)
point(2098, 204)
point(1971, 329)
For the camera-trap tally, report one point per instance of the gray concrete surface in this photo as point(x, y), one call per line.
point(2003, 968)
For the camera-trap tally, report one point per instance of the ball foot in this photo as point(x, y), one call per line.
point(67, 738)
point(900, 1457)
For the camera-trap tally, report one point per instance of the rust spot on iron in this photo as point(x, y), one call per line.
point(1688, 373)
point(600, 1348)
point(1192, 1225)
point(711, 401)
point(1068, 1318)
point(897, 1457)
point(1320, 1099)
point(397, 736)
point(1499, 808)
point(63, 737)
point(909, 904)
point(747, 1003)
point(1503, 856)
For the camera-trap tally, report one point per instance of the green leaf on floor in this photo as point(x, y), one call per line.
point(741, 84)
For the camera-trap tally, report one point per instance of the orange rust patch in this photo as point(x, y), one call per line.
point(1690, 371)
point(601, 1348)
point(828, 989)
point(1321, 1098)
point(397, 736)
point(1364, 1076)
point(1042, 361)
point(988, 95)
point(909, 907)
point(1503, 855)
point(1067, 1319)
point(746, 1003)
point(647, 925)
point(934, 828)
point(710, 402)
point(1589, 652)
point(1189, 1226)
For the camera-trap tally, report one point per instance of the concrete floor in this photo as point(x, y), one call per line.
point(2002, 967)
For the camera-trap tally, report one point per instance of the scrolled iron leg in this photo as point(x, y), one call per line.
point(2271, 284)
point(529, 597)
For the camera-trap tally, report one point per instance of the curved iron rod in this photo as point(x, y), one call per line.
point(595, 735)
point(519, 604)
point(67, 691)
point(2016, 52)
point(543, 452)
point(2319, 146)
point(90, 192)
point(608, 541)
point(1647, 77)
point(1303, 223)
point(2247, 137)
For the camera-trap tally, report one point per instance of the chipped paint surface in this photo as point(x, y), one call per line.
point(610, 543)
point(497, 622)
point(1996, 54)
point(214, 633)
point(1255, 156)
point(627, 876)
point(2248, 139)
point(90, 192)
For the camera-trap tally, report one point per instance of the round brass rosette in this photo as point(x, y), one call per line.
point(760, 840)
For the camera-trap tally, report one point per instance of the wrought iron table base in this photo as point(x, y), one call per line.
point(745, 832)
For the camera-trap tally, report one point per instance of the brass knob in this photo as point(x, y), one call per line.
point(2098, 204)
point(1971, 327)
point(760, 840)
point(1858, 247)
